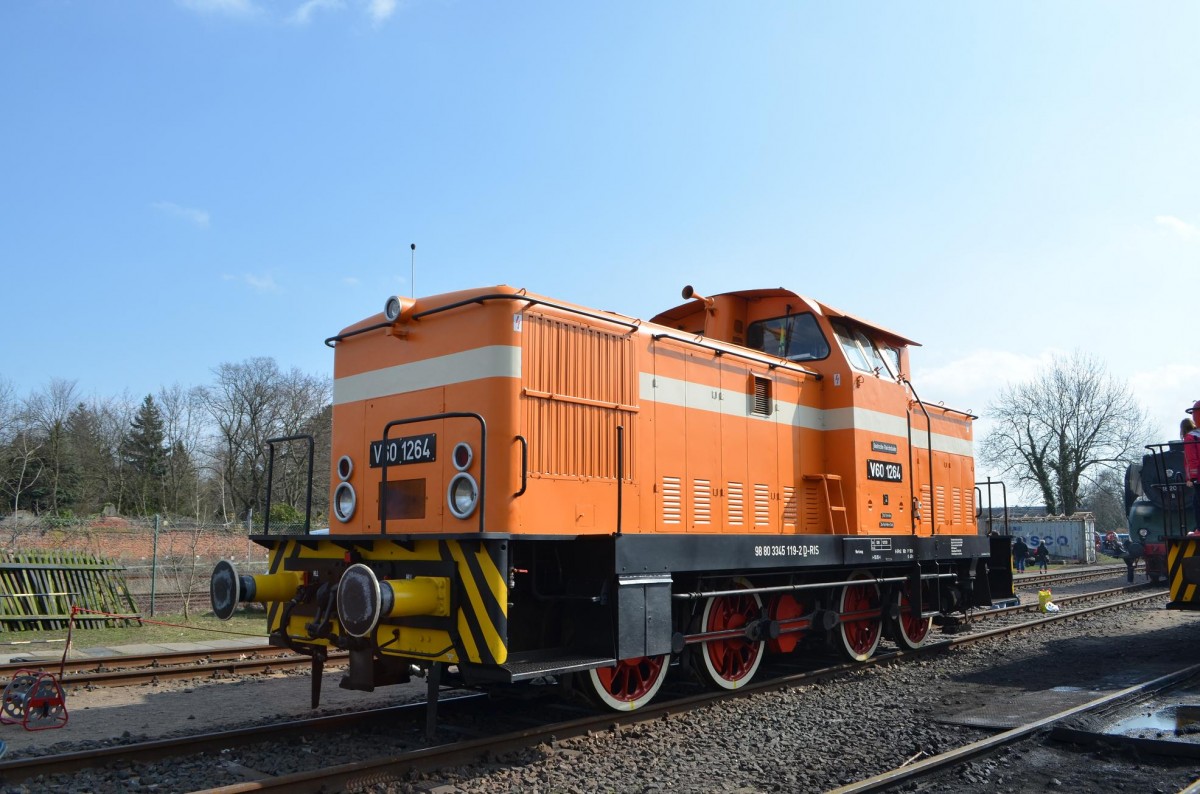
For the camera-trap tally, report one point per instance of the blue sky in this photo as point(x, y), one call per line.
point(193, 182)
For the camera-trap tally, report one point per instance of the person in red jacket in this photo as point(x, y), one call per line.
point(1191, 462)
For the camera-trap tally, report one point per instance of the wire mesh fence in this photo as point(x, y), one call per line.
point(166, 564)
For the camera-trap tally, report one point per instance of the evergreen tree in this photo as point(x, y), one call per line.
point(146, 456)
point(95, 459)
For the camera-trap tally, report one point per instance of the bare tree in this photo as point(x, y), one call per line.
point(8, 410)
point(250, 403)
point(1105, 500)
point(114, 417)
point(1061, 430)
point(183, 567)
point(23, 468)
point(304, 404)
point(183, 432)
point(47, 412)
point(9, 424)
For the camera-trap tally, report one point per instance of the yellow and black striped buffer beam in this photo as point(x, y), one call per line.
point(1183, 567)
point(476, 629)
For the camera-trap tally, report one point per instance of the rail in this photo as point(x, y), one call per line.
point(720, 351)
point(397, 764)
point(271, 442)
point(481, 299)
point(481, 503)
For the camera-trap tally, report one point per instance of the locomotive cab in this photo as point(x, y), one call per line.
point(1156, 502)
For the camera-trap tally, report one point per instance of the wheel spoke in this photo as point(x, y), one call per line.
point(629, 684)
point(911, 628)
point(860, 636)
point(730, 662)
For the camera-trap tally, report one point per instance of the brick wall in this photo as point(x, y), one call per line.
point(133, 545)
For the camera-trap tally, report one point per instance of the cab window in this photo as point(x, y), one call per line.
point(892, 356)
point(796, 337)
point(864, 354)
point(850, 347)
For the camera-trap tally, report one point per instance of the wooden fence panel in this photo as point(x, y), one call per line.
point(39, 589)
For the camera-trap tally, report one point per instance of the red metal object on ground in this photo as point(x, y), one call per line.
point(34, 700)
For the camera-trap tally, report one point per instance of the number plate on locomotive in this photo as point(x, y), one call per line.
point(409, 449)
point(884, 470)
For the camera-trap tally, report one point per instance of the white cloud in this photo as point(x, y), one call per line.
point(380, 10)
point(972, 382)
point(303, 15)
point(351, 281)
point(193, 216)
point(229, 7)
point(1165, 392)
point(377, 11)
point(260, 283)
point(1184, 229)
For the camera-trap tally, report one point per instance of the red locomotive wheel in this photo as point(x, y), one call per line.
point(860, 636)
point(732, 662)
point(786, 609)
point(629, 684)
point(910, 630)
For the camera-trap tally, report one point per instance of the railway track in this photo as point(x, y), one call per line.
point(458, 713)
point(1069, 576)
point(131, 670)
point(936, 765)
point(1061, 600)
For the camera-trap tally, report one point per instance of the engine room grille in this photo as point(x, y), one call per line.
point(762, 505)
point(735, 504)
point(701, 502)
point(790, 506)
point(579, 386)
point(672, 502)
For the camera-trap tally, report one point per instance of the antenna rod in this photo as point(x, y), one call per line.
point(412, 279)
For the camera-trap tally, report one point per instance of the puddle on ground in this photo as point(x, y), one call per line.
point(1182, 719)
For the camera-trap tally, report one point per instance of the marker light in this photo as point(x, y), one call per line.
point(463, 455)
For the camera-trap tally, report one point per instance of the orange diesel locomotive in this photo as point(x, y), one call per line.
point(522, 487)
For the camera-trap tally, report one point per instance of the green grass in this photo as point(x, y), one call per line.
point(160, 628)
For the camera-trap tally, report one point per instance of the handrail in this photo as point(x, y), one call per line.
point(620, 471)
point(482, 505)
point(1003, 496)
point(967, 414)
point(630, 324)
point(271, 442)
point(929, 446)
point(720, 351)
point(524, 465)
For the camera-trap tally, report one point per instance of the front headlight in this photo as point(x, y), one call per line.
point(344, 501)
point(462, 495)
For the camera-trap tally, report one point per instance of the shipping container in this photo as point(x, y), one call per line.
point(1071, 539)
